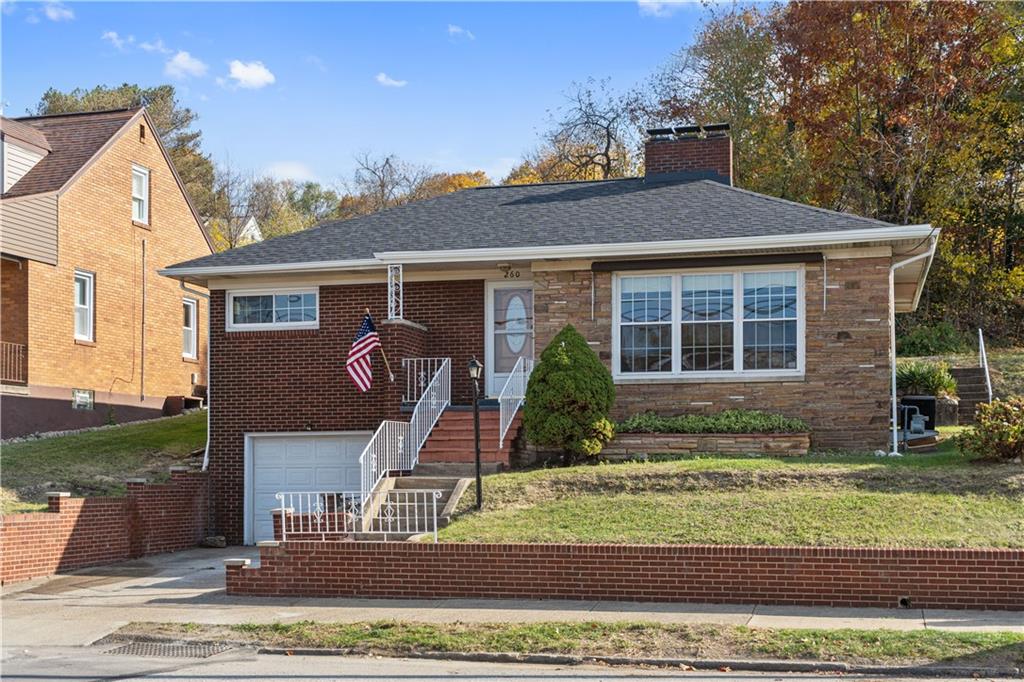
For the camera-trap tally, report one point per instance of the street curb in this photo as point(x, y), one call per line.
point(748, 665)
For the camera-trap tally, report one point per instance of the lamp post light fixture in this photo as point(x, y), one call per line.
point(475, 371)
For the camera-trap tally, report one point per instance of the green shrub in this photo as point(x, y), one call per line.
point(569, 397)
point(917, 377)
point(940, 338)
point(998, 433)
point(728, 421)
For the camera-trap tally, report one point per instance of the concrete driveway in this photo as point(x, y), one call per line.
point(78, 609)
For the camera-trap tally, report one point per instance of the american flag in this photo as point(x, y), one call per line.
point(358, 364)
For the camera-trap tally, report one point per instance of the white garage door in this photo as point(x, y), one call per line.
point(297, 463)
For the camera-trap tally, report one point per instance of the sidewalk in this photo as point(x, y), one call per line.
point(78, 609)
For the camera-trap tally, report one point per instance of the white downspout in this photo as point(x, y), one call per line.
point(196, 292)
point(892, 335)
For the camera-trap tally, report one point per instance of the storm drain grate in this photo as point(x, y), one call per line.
point(170, 649)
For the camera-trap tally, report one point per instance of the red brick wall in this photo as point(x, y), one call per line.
point(713, 153)
point(295, 380)
point(837, 576)
point(80, 532)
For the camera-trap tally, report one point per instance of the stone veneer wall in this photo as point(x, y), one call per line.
point(844, 395)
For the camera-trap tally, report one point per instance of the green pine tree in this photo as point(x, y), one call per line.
point(569, 398)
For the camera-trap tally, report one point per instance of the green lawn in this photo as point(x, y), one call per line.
point(651, 640)
point(933, 500)
point(95, 462)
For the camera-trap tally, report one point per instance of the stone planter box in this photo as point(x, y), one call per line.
point(633, 444)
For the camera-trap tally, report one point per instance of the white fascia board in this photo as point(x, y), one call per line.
point(266, 268)
point(896, 232)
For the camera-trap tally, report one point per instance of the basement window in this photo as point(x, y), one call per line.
point(273, 309)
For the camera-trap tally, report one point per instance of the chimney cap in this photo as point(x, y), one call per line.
point(689, 131)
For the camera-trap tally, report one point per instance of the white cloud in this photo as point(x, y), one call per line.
point(313, 60)
point(56, 11)
point(459, 32)
point(658, 8)
point(291, 170)
point(184, 65)
point(116, 40)
point(389, 82)
point(250, 75)
point(155, 46)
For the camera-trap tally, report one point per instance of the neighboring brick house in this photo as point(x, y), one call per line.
point(92, 208)
point(699, 296)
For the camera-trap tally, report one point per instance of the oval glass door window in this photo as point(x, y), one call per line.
point(515, 316)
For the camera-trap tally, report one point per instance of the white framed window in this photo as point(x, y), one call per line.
point(726, 323)
point(189, 329)
point(273, 309)
point(84, 304)
point(140, 194)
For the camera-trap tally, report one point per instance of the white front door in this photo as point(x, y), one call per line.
point(509, 329)
point(306, 462)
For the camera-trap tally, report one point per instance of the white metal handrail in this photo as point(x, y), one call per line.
point(418, 373)
point(983, 359)
point(338, 514)
point(382, 454)
point(436, 397)
point(512, 395)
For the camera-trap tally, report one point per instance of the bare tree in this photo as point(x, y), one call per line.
point(385, 181)
point(591, 133)
point(232, 206)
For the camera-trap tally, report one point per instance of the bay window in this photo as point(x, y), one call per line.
point(726, 323)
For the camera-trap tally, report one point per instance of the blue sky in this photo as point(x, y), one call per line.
point(297, 89)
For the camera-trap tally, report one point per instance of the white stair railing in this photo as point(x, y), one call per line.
point(418, 374)
point(396, 445)
point(512, 395)
point(983, 359)
point(330, 514)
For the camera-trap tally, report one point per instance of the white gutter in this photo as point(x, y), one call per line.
point(683, 246)
point(892, 332)
point(196, 292)
point(658, 248)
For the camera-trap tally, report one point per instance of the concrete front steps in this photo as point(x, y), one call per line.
point(452, 440)
point(970, 389)
point(405, 511)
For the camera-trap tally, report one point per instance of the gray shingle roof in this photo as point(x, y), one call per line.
point(556, 214)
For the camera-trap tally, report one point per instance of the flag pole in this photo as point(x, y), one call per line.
point(387, 365)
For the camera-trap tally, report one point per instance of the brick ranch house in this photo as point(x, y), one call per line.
point(92, 207)
point(698, 295)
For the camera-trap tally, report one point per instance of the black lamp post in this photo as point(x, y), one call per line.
point(475, 370)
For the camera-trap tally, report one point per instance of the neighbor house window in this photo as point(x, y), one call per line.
point(85, 298)
point(719, 323)
point(281, 309)
point(189, 329)
point(140, 194)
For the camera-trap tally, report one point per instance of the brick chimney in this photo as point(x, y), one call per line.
point(689, 153)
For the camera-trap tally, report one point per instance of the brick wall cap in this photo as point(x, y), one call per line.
point(179, 468)
point(406, 323)
point(136, 480)
point(236, 562)
point(58, 494)
point(280, 510)
point(268, 543)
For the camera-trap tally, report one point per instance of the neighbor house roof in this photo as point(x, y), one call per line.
point(23, 133)
point(546, 216)
point(73, 140)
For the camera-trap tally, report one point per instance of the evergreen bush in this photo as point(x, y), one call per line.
point(569, 398)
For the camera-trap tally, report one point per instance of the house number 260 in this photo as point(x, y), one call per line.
point(512, 274)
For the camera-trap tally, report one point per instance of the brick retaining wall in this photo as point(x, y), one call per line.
point(625, 444)
point(77, 532)
point(810, 576)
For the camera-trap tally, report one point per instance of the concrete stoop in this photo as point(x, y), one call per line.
point(451, 487)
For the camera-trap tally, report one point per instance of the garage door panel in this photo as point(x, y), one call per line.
point(300, 463)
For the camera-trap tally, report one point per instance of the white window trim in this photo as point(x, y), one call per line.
point(90, 305)
point(678, 376)
point(142, 170)
point(258, 326)
point(194, 305)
